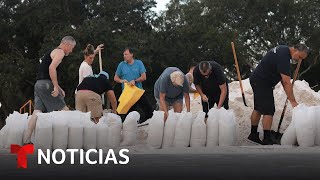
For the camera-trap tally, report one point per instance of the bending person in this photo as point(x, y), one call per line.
point(89, 95)
point(169, 90)
point(211, 83)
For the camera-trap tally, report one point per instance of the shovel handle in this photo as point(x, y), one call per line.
point(238, 72)
point(286, 103)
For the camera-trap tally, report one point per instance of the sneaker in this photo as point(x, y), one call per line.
point(267, 141)
point(254, 137)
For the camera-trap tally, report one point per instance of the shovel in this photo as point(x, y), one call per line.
point(238, 73)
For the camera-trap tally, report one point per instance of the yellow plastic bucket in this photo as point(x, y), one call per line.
point(129, 96)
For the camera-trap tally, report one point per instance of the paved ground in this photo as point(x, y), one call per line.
point(176, 166)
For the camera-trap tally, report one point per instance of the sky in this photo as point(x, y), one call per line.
point(161, 5)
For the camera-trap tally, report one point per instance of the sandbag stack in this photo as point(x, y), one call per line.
point(304, 128)
point(181, 130)
point(70, 130)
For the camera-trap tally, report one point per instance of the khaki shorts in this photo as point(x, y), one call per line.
point(89, 101)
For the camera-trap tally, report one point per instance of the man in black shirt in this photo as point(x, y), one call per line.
point(211, 83)
point(89, 94)
point(48, 95)
point(274, 67)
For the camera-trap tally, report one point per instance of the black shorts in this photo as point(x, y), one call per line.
point(263, 98)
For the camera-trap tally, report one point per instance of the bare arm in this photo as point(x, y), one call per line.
point(187, 100)
point(203, 96)
point(189, 78)
point(163, 105)
point(57, 56)
point(142, 78)
point(99, 47)
point(223, 94)
point(288, 88)
point(113, 100)
point(118, 80)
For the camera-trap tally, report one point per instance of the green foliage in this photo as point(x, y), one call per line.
point(190, 30)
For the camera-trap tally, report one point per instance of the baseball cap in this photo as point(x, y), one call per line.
point(105, 74)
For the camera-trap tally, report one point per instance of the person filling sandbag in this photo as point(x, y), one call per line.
point(89, 92)
point(273, 68)
point(133, 72)
point(211, 84)
point(169, 90)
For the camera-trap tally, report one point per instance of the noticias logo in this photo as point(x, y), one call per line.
point(84, 156)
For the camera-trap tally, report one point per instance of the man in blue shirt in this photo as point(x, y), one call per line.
point(133, 72)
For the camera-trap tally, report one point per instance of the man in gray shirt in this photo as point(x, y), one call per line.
point(169, 90)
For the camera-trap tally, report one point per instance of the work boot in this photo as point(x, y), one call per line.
point(254, 137)
point(267, 141)
point(276, 137)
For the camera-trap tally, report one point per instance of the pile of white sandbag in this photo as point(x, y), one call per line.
point(304, 128)
point(71, 130)
point(12, 132)
point(182, 130)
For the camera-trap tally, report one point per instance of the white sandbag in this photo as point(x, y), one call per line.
point(102, 133)
point(213, 128)
point(3, 135)
point(305, 126)
point(199, 131)
point(60, 128)
point(130, 129)
point(156, 127)
point(227, 128)
point(75, 130)
point(43, 131)
point(89, 135)
point(289, 136)
point(183, 130)
point(4, 132)
point(317, 124)
point(16, 129)
point(115, 125)
point(169, 129)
